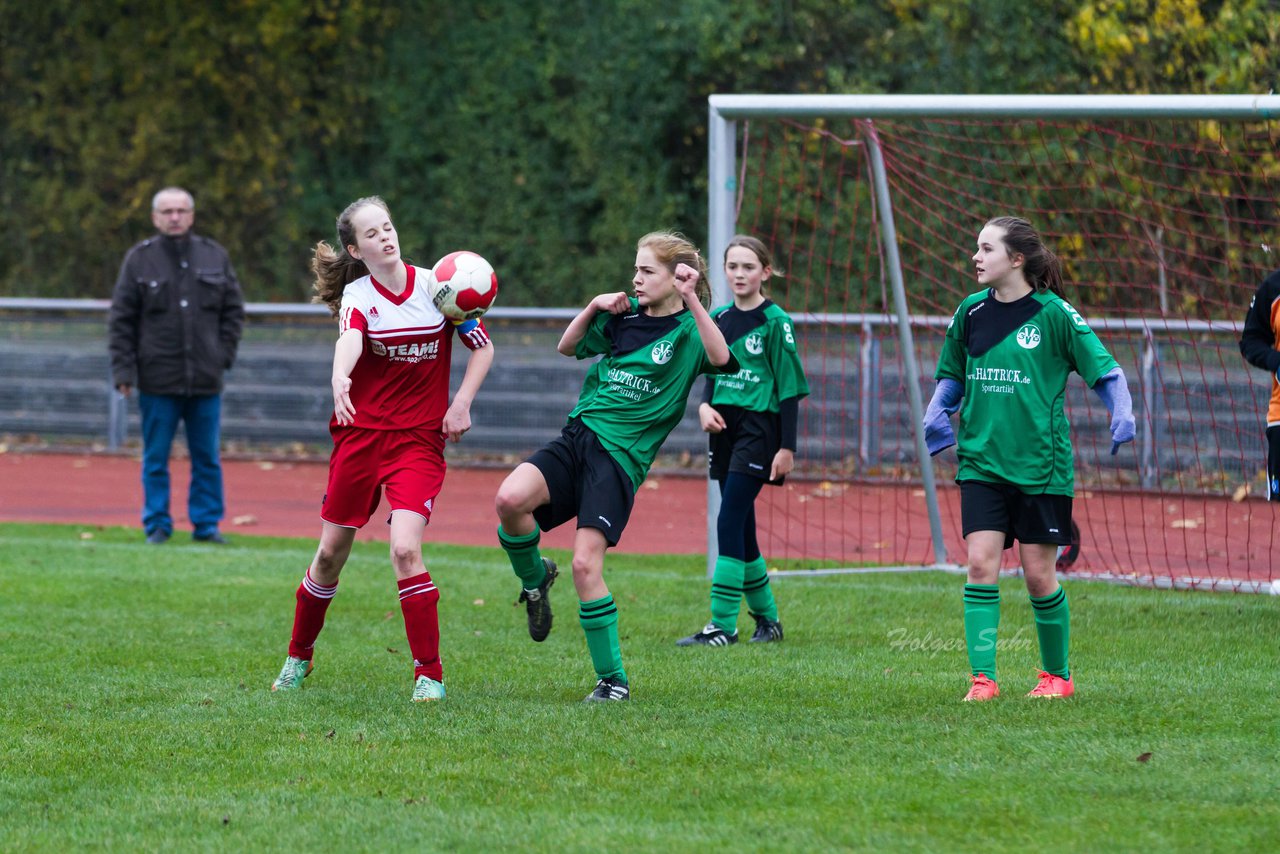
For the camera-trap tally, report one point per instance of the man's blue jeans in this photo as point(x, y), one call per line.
point(202, 419)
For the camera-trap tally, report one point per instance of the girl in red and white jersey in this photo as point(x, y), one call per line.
point(391, 417)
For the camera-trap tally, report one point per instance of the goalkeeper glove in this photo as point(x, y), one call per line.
point(938, 435)
point(1113, 390)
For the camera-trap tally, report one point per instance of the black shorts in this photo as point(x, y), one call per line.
point(1273, 463)
point(1029, 519)
point(584, 482)
point(746, 445)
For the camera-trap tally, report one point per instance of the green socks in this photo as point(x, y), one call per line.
point(526, 560)
point(981, 619)
point(1053, 626)
point(755, 584)
point(599, 619)
point(726, 593)
point(732, 579)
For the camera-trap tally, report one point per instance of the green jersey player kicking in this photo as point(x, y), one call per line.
point(655, 345)
point(1007, 354)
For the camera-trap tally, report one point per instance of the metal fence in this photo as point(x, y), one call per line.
point(1199, 407)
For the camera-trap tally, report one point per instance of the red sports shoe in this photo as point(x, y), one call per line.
point(1052, 686)
point(983, 689)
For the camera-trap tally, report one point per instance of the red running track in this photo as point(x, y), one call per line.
point(1150, 538)
point(282, 499)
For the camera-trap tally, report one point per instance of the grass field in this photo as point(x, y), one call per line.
point(135, 714)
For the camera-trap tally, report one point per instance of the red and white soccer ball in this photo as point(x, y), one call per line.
point(463, 285)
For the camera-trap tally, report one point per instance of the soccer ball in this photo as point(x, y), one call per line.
point(462, 285)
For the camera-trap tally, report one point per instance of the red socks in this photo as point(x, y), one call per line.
point(308, 617)
point(418, 598)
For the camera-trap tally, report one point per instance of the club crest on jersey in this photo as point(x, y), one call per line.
point(755, 344)
point(662, 352)
point(1029, 336)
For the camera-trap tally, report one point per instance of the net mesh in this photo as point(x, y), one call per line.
point(1164, 229)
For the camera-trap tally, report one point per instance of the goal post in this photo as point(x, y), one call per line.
point(1164, 210)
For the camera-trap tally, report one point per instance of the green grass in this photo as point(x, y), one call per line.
point(135, 714)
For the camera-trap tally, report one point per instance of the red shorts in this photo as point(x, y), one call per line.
point(409, 463)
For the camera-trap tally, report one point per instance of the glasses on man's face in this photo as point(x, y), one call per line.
point(174, 211)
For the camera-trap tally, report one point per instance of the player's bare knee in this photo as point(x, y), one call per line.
point(516, 500)
point(1041, 582)
point(405, 555)
point(327, 564)
point(586, 569)
point(509, 504)
point(983, 571)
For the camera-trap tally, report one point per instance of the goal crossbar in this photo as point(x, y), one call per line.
point(1223, 107)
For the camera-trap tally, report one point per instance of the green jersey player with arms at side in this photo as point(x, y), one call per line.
point(655, 345)
point(751, 418)
point(1007, 354)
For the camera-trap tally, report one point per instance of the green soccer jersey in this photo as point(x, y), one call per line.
point(636, 395)
point(1014, 360)
point(763, 341)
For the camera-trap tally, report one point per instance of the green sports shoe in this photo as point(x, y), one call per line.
point(427, 689)
point(292, 674)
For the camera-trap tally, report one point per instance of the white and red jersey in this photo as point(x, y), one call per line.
point(401, 380)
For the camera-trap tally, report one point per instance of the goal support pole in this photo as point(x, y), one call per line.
point(721, 216)
point(889, 240)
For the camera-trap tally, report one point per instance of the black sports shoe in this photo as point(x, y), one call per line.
point(711, 635)
point(216, 538)
point(767, 631)
point(608, 689)
point(538, 603)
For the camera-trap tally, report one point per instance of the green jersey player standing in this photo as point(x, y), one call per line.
point(751, 417)
point(655, 345)
point(1007, 354)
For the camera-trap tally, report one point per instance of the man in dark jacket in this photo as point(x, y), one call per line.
point(1260, 345)
point(176, 317)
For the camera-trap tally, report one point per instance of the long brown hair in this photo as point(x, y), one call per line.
point(334, 268)
point(1041, 267)
point(672, 248)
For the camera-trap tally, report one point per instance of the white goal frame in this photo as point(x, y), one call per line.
point(725, 110)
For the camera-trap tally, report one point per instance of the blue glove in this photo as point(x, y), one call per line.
point(1113, 389)
point(938, 435)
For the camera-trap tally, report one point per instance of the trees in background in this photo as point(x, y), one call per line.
point(547, 136)
point(105, 103)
